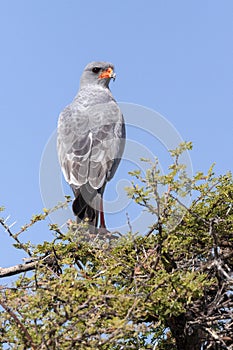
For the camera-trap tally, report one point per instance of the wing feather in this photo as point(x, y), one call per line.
point(90, 143)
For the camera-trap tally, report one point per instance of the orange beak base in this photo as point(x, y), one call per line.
point(107, 74)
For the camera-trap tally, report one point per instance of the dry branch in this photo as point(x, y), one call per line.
point(29, 266)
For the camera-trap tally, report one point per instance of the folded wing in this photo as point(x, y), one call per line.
point(90, 144)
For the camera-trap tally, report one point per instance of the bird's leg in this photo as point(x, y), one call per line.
point(102, 220)
point(96, 219)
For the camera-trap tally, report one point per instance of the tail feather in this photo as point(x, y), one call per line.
point(85, 204)
point(82, 210)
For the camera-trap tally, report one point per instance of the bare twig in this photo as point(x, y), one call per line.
point(14, 236)
point(129, 223)
point(14, 270)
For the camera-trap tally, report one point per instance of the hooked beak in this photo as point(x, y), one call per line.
point(108, 74)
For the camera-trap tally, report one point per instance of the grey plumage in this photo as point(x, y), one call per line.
point(90, 141)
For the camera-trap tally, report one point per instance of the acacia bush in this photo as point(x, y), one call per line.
point(168, 289)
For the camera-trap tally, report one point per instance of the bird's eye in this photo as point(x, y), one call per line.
point(96, 70)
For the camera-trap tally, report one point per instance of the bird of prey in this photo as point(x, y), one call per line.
point(90, 141)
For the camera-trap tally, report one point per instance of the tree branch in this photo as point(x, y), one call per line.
point(29, 266)
point(14, 236)
point(14, 270)
point(18, 322)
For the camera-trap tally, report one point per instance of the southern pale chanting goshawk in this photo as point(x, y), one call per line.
point(90, 141)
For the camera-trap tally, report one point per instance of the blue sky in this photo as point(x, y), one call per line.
point(174, 57)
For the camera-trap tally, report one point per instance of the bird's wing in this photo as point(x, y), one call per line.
point(89, 144)
point(118, 147)
point(108, 139)
point(74, 144)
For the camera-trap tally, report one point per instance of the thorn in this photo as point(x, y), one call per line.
point(7, 218)
point(10, 226)
point(63, 225)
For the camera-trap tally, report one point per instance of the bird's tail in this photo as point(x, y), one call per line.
point(85, 205)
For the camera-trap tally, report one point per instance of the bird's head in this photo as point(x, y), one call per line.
point(98, 73)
